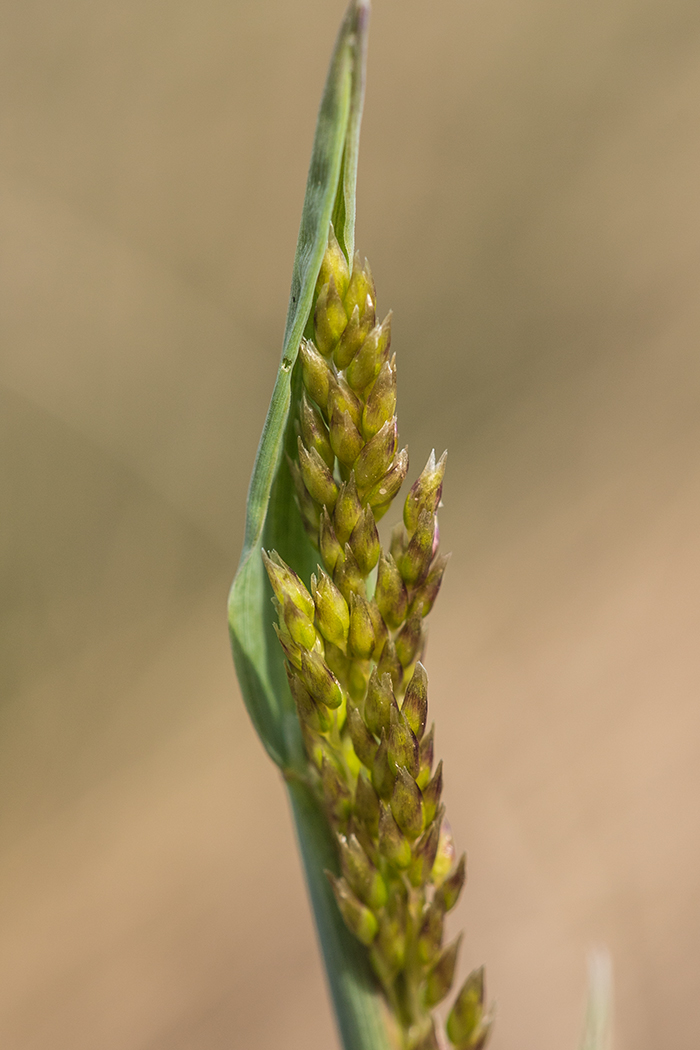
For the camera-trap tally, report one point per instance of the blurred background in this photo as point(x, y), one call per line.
point(529, 200)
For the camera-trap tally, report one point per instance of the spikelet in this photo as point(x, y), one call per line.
point(354, 642)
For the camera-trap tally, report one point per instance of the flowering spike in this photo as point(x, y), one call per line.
point(354, 646)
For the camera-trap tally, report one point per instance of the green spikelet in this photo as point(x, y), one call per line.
point(354, 642)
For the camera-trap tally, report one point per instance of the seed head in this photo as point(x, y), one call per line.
point(354, 646)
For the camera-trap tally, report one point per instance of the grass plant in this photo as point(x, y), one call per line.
point(327, 626)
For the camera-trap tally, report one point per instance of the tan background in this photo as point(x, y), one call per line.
point(530, 201)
